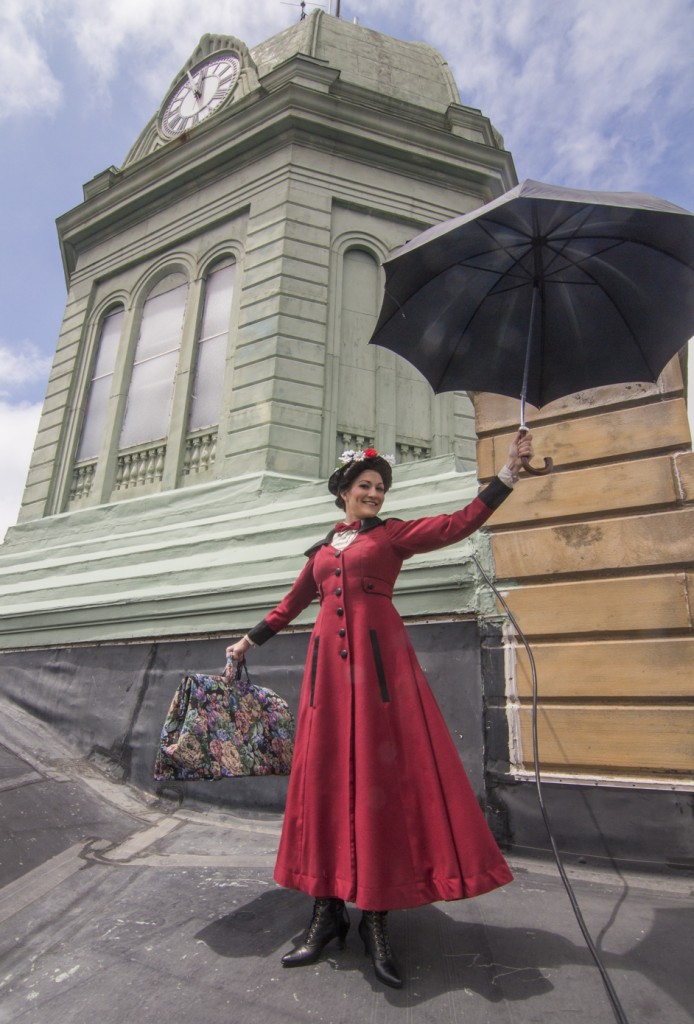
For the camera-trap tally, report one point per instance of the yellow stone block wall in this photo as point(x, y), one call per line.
point(596, 562)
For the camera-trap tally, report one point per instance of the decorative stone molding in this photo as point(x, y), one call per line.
point(200, 453)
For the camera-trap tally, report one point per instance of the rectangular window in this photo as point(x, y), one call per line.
point(206, 397)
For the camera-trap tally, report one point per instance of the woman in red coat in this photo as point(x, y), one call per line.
point(379, 809)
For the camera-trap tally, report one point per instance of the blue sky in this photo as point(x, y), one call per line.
point(590, 93)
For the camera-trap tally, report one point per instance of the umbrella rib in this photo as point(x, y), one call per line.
point(615, 244)
point(523, 278)
point(575, 262)
point(454, 349)
point(469, 320)
point(621, 316)
point(495, 247)
point(579, 264)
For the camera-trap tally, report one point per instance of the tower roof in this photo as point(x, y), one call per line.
point(415, 72)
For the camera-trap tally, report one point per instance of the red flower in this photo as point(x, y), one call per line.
point(370, 453)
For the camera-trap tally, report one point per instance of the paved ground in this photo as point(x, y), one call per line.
point(117, 908)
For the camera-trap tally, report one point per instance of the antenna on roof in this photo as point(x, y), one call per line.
point(303, 5)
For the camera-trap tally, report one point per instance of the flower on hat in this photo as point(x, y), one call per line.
point(351, 455)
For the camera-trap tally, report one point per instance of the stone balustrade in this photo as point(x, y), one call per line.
point(200, 453)
point(82, 480)
point(406, 452)
point(140, 467)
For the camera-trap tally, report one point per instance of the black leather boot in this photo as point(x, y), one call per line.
point(374, 933)
point(330, 921)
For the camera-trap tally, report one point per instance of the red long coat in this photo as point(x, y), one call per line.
point(379, 809)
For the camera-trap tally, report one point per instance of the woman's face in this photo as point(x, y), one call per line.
point(364, 497)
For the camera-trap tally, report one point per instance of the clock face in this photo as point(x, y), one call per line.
point(204, 88)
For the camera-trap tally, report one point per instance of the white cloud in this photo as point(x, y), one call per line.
point(586, 93)
point(29, 84)
point(21, 364)
point(139, 39)
point(18, 426)
point(113, 33)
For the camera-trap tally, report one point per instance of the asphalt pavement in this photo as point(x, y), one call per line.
point(118, 907)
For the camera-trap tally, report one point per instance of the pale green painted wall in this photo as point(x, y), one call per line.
point(213, 558)
point(336, 137)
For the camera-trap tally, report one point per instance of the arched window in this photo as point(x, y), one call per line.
point(382, 400)
point(356, 407)
point(100, 386)
point(148, 407)
point(208, 379)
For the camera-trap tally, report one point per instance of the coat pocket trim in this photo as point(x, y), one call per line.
point(381, 588)
point(314, 669)
point(378, 660)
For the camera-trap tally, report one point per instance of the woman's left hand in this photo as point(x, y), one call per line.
point(521, 446)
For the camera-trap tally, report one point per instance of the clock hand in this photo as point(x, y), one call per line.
point(197, 86)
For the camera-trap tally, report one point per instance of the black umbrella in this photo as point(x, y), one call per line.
point(543, 292)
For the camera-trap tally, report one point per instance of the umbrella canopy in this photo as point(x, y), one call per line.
point(543, 292)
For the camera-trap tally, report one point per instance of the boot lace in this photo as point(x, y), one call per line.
point(321, 910)
point(380, 935)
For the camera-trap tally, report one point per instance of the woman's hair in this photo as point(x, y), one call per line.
point(344, 476)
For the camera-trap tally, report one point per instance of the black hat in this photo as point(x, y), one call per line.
point(353, 463)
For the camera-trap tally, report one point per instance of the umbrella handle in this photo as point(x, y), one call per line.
point(549, 466)
point(525, 461)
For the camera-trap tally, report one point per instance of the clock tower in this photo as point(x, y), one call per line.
point(213, 360)
point(224, 280)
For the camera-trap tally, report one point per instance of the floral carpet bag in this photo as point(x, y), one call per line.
point(223, 726)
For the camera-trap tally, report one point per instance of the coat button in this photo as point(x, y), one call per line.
point(369, 586)
point(338, 572)
point(343, 654)
point(338, 592)
point(340, 611)
point(341, 632)
point(337, 554)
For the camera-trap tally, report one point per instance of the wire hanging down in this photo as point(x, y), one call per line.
point(617, 1008)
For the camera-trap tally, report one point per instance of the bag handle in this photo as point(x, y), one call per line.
point(236, 668)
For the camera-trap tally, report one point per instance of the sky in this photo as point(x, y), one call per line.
point(587, 93)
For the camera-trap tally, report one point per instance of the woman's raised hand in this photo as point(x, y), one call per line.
point(522, 445)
